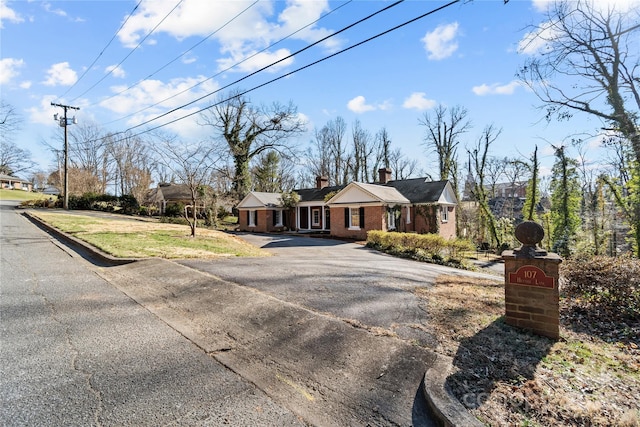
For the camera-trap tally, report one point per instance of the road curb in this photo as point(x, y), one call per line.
point(446, 408)
point(81, 246)
point(449, 411)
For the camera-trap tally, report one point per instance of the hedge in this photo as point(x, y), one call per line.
point(416, 245)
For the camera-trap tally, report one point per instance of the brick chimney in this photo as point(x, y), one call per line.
point(384, 175)
point(322, 182)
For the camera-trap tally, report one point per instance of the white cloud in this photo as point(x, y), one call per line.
point(537, 41)
point(254, 26)
point(8, 14)
point(116, 71)
point(419, 101)
point(496, 88)
point(440, 43)
point(43, 113)
point(359, 105)
point(60, 74)
point(150, 92)
point(9, 69)
point(25, 84)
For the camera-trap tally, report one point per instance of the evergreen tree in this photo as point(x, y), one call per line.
point(532, 197)
point(565, 203)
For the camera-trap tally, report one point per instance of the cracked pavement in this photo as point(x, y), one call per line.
point(77, 351)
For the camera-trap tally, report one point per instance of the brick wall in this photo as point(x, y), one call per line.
point(531, 306)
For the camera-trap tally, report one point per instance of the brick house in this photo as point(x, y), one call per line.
point(410, 205)
point(15, 183)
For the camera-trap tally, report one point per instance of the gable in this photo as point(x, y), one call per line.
point(250, 201)
point(359, 193)
point(421, 190)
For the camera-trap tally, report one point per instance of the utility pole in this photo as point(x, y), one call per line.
point(63, 122)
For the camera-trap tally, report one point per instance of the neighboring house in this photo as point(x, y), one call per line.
point(51, 191)
point(411, 205)
point(15, 183)
point(169, 194)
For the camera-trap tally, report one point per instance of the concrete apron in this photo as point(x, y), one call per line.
point(326, 370)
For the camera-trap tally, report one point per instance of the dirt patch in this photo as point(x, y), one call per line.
point(509, 377)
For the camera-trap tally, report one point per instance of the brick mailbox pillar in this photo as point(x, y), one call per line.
point(531, 283)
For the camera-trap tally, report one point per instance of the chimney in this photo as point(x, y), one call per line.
point(322, 182)
point(384, 175)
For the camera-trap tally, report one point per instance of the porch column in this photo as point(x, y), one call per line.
point(308, 217)
point(322, 219)
point(297, 217)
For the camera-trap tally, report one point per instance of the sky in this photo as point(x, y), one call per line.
point(125, 63)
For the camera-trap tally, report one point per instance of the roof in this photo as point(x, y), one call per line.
point(4, 177)
point(420, 190)
point(317, 194)
point(257, 199)
point(358, 192)
point(174, 192)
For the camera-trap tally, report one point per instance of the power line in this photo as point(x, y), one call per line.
point(228, 68)
point(131, 52)
point(384, 9)
point(102, 51)
point(291, 72)
point(179, 56)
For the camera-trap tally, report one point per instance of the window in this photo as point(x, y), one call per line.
point(354, 218)
point(315, 217)
point(408, 214)
point(277, 218)
point(252, 218)
point(391, 219)
point(444, 213)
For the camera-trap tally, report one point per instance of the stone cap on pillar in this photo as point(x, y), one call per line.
point(529, 233)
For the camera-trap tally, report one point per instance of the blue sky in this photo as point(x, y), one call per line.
point(467, 54)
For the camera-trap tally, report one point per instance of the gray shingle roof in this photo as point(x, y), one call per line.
point(419, 190)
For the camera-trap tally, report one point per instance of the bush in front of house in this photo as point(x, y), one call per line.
point(609, 287)
point(423, 247)
point(125, 204)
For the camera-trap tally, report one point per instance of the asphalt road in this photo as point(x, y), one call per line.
point(345, 280)
point(76, 351)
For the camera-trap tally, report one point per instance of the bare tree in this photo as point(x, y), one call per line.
point(363, 149)
point(479, 157)
point(591, 65)
point(10, 121)
point(444, 129)
point(13, 159)
point(132, 166)
point(192, 163)
point(249, 131)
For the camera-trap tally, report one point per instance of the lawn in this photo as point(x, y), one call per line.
point(20, 195)
point(509, 377)
point(132, 238)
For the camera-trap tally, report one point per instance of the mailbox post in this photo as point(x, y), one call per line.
point(531, 283)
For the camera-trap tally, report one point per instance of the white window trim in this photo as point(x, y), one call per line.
point(408, 214)
point(351, 226)
point(313, 219)
point(391, 220)
point(444, 213)
point(278, 214)
point(252, 218)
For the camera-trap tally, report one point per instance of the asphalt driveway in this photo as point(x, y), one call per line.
point(345, 280)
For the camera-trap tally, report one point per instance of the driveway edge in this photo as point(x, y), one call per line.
point(446, 408)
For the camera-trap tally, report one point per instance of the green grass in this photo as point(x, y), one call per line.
point(128, 238)
point(20, 195)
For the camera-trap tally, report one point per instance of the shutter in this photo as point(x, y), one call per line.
point(248, 217)
point(362, 217)
point(255, 218)
point(346, 217)
point(273, 217)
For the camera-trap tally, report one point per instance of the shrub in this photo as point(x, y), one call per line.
point(174, 210)
point(604, 284)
